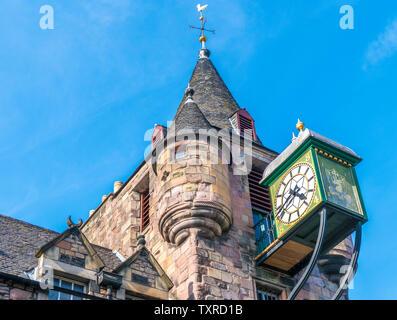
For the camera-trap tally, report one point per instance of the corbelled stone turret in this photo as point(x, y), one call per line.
point(193, 191)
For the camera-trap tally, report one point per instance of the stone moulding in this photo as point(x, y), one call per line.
point(209, 218)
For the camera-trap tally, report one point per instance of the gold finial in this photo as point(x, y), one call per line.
point(202, 37)
point(300, 125)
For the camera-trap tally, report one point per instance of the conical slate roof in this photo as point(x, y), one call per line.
point(190, 117)
point(211, 95)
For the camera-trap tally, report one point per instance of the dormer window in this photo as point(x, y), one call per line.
point(158, 135)
point(244, 124)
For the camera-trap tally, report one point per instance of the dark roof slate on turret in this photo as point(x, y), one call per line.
point(190, 117)
point(211, 94)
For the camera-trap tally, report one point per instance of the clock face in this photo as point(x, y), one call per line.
point(295, 193)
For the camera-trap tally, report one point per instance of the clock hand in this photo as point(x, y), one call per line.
point(289, 200)
point(294, 191)
point(282, 207)
point(302, 196)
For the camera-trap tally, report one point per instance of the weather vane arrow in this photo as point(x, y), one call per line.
point(203, 20)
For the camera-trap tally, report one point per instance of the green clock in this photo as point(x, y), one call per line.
point(311, 174)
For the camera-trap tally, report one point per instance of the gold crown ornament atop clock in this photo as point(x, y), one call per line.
point(312, 174)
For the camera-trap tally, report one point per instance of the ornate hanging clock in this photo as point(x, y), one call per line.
point(312, 174)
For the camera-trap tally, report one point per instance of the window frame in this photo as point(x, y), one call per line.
point(73, 283)
point(273, 290)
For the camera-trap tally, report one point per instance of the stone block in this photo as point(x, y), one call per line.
point(227, 277)
point(64, 245)
point(195, 178)
point(209, 280)
point(214, 256)
point(218, 266)
point(189, 187)
point(215, 291)
point(191, 170)
point(234, 288)
point(215, 273)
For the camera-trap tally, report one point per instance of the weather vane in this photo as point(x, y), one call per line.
point(203, 20)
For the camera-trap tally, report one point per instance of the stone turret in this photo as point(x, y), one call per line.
point(193, 192)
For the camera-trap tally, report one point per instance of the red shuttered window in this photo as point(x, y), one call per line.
point(158, 134)
point(244, 124)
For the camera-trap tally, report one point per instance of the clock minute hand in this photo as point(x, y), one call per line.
point(289, 199)
point(294, 191)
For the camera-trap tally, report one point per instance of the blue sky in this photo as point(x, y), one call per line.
point(76, 101)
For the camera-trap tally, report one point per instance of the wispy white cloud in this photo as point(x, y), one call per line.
point(384, 47)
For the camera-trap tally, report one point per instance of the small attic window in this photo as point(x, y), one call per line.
point(242, 122)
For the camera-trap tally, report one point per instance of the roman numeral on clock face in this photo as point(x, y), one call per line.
point(295, 193)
